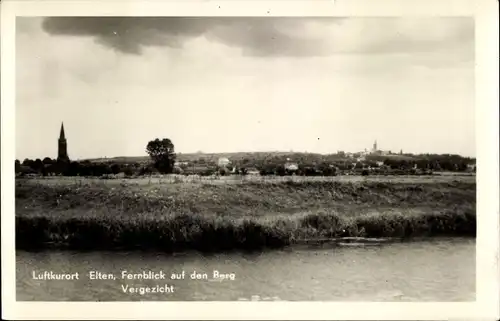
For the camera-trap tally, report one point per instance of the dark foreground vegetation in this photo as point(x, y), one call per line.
point(249, 216)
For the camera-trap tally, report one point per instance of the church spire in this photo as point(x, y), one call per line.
point(62, 151)
point(61, 135)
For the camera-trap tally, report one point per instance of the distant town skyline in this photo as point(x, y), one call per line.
point(221, 85)
point(374, 150)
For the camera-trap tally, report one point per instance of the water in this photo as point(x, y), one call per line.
point(431, 270)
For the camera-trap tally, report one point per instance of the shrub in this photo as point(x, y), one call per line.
point(128, 171)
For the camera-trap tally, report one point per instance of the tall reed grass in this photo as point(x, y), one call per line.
point(250, 216)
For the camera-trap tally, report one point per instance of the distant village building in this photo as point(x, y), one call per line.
point(62, 150)
point(365, 152)
point(376, 151)
point(291, 166)
point(223, 162)
point(180, 166)
point(253, 171)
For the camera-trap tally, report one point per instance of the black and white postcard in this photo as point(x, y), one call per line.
point(292, 159)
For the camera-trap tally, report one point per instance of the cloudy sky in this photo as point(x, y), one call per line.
point(244, 84)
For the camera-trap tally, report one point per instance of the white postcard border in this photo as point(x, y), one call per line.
point(487, 143)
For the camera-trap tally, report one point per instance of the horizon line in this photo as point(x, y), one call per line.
point(274, 152)
point(260, 152)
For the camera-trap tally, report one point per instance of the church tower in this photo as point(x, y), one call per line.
point(375, 146)
point(62, 152)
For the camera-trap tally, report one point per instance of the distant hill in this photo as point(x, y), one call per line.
point(119, 159)
point(395, 157)
point(189, 157)
point(262, 156)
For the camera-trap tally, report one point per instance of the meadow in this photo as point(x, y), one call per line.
point(175, 213)
point(240, 179)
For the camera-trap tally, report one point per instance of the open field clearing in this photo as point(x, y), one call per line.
point(237, 179)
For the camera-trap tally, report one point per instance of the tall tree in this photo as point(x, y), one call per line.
point(38, 165)
point(162, 154)
point(47, 160)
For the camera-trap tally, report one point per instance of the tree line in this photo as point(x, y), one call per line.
point(163, 158)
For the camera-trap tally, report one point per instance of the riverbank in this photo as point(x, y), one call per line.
point(218, 217)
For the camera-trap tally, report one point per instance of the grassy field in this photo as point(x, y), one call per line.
point(238, 179)
point(213, 215)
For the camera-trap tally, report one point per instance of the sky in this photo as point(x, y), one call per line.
point(222, 84)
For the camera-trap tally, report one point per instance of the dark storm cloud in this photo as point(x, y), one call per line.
point(256, 36)
point(260, 36)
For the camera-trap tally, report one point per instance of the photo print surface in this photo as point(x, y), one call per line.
point(245, 159)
